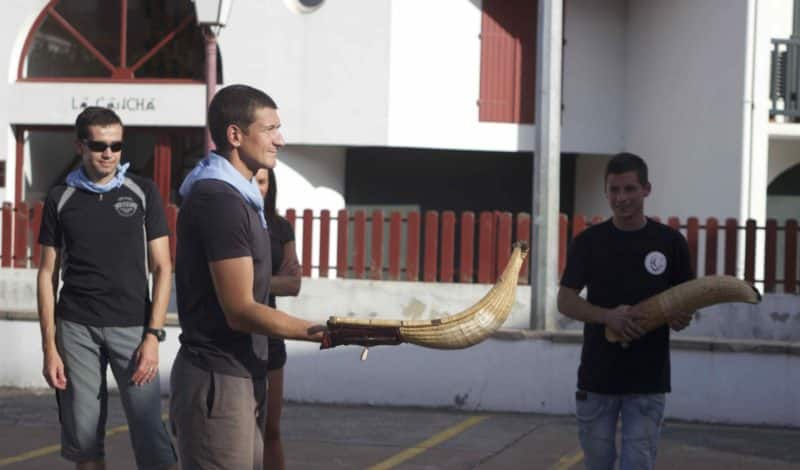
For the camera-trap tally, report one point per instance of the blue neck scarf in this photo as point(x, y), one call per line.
point(216, 167)
point(78, 179)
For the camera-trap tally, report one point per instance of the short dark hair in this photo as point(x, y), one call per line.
point(234, 104)
point(94, 116)
point(625, 162)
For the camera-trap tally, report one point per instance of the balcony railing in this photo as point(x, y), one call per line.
point(784, 89)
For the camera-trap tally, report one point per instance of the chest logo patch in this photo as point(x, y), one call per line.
point(655, 263)
point(126, 206)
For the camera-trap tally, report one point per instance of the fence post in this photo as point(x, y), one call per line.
point(412, 251)
point(466, 265)
point(790, 257)
point(731, 242)
point(431, 246)
point(308, 232)
point(291, 217)
point(324, 241)
point(359, 244)
point(376, 246)
point(712, 227)
point(447, 246)
point(5, 239)
point(485, 248)
point(395, 228)
point(770, 255)
point(750, 251)
point(342, 221)
point(21, 235)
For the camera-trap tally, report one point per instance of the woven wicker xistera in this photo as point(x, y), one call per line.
point(458, 331)
point(690, 296)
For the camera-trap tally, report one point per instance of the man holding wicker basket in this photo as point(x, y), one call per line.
point(621, 262)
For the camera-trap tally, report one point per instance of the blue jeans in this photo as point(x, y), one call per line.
point(642, 416)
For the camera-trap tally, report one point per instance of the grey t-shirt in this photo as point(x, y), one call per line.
point(215, 223)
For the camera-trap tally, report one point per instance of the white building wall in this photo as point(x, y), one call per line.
point(684, 106)
point(519, 374)
point(593, 76)
point(327, 70)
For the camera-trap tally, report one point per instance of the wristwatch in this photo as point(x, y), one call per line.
point(159, 333)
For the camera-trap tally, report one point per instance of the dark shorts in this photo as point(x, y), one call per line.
point(277, 354)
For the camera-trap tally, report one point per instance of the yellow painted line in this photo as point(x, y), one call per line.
point(42, 451)
point(433, 441)
point(568, 461)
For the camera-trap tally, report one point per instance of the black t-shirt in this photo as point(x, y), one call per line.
point(216, 223)
point(103, 239)
point(281, 233)
point(625, 267)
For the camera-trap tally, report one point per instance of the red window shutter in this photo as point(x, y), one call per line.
point(508, 61)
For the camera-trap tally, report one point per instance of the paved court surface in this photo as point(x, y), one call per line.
point(339, 437)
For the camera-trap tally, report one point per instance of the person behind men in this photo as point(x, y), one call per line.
point(285, 282)
point(104, 228)
point(621, 262)
point(223, 270)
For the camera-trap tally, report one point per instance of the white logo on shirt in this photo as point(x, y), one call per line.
point(655, 263)
point(126, 206)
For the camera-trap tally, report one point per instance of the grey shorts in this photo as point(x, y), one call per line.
point(217, 419)
point(87, 351)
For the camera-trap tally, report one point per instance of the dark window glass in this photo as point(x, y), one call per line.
point(56, 53)
point(97, 21)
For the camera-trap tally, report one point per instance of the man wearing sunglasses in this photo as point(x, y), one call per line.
point(105, 229)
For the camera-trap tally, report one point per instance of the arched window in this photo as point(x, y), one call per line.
point(115, 40)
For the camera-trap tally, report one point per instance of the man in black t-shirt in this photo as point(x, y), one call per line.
point(621, 262)
point(106, 231)
point(222, 276)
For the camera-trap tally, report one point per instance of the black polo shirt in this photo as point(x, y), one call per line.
point(623, 268)
point(215, 223)
point(103, 261)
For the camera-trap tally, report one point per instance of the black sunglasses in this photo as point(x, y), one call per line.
point(97, 146)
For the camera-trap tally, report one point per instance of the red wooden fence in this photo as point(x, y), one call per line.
point(462, 248)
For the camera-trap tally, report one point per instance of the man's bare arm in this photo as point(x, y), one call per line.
point(161, 267)
point(146, 356)
point(233, 283)
point(46, 288)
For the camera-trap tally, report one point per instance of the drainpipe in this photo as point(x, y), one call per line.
point(546, 166)
point(211, 78)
